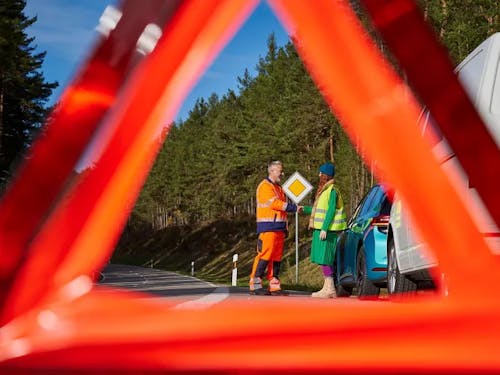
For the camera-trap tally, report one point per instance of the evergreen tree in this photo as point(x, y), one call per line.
point(211, 163)
point(462, 24)
point(23, 90)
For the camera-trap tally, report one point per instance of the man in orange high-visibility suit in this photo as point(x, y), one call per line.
point(272, 225)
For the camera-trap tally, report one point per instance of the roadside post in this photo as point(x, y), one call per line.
point(192, 268)
point(234, 277)
point(296, 188)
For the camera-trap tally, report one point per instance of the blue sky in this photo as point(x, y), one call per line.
point(65, 29)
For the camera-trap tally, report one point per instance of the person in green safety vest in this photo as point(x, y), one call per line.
point(328, 218)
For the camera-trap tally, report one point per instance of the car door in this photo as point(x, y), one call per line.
point(356, 229)
point(375, 250)
point(344, 267)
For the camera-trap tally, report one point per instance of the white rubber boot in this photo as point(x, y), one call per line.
point(319, 292)
point(328, 290)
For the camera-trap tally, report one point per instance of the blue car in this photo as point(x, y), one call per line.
point(361, 255)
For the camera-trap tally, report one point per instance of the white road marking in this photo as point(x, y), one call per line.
point(218, 295)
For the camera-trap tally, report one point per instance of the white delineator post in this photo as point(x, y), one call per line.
point(192, 268)
point(234, 277)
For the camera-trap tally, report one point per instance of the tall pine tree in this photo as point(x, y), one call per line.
point(23, 89)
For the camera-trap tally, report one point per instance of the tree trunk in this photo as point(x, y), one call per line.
point(1, 113)
point(444, 11)
point(490, 20)
point(330, 142)
point(351, 197)
point(362, 178)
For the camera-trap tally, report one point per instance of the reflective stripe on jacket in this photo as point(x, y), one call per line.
point(272, 207)
point(339, 221)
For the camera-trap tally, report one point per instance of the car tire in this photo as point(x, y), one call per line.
point(397, 284)
point(343, 291)
point(366, 289)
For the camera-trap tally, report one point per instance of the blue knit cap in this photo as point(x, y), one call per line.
point(328, 169)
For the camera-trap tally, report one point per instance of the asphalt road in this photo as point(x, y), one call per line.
point(173, 286)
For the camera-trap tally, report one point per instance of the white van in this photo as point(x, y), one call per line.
point(408, 258)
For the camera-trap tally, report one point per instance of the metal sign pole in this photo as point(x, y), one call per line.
point(296, 188)
point(296, 247)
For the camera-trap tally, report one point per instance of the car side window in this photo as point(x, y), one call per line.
point(376, 203)
point(368, 203)
point(356, 212)
point(385, 209)
point(361, 206)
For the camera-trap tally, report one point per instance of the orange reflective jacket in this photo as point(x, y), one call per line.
point(272, 207)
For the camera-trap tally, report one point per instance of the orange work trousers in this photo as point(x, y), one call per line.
point(269, 248)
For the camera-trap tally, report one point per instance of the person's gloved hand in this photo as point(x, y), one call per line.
point(322, 235)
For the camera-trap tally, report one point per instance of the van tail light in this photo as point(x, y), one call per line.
point(381, 222)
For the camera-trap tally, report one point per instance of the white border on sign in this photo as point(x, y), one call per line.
point(294, 177)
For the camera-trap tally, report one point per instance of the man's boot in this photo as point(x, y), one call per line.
point(255, 283)
point(256, 288)
point(275, 288)
point(328, 290)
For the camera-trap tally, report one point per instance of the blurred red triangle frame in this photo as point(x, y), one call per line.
point(88, 166)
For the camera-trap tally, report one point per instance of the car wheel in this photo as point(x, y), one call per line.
point(343, 291)
point(366, 289)
point(397, 283)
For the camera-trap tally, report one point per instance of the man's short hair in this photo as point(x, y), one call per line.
point(273, 164)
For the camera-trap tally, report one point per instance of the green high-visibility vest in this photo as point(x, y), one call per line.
point(339, 219)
